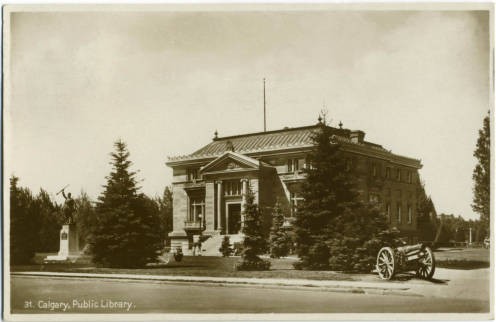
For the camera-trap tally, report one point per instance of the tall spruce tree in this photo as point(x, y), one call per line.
point(333, 226)
point(254, 242)
point(425, 211)
point(481, 175)
point(23, 224)
point(165, 210)
point(86, 218)
point(279, 240)
point(128, 230)
point(49, 221)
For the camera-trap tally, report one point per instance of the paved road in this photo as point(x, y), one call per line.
point(38, 294)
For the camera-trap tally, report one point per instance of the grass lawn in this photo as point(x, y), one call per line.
point(454, 258)
point(196, 266)
point(462, 258)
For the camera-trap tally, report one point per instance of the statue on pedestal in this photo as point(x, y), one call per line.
point(69, 240)
point(69, 208)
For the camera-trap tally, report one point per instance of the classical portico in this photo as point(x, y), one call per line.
point(229, 176)
point(213, 197)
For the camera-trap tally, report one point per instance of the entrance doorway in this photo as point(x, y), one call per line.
point(233, 218)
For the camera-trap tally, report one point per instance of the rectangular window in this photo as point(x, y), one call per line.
point(197, 209)
point(398, 174)
point(294, 199)
point(232, 188)
point(388, 173)
point(409, 214)
point(409, 177)
point(374, 170)
point(192, 174)
point(399, 214)
point(308, 163)
point(301, 164)
point(294, 164)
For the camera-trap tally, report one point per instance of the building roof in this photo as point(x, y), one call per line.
point(261, 141)
point(270, 141)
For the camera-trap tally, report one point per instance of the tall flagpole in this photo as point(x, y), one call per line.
point(265, 121)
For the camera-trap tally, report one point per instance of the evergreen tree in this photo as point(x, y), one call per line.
point(225, 248)
point(85, 218)
point(128, 230)
point(280, 241)
point(254, 242)
point(425, 211)
point(49, 221)
point(165, 211)
point(333, 226)
point(481, 175)
point(23, 224)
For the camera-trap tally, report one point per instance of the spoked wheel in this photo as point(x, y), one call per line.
point(386, 263)
point(427, 264)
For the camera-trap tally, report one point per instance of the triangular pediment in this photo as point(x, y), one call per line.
point(230, 162)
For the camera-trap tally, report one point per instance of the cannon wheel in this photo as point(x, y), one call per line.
point(386, 263)
point(427, 264)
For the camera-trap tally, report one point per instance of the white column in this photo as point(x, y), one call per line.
point(219, 204)
point(243, 200)
point(188, 212)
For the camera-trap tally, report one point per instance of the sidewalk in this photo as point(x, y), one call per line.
point(447, 283)
point(385, 288)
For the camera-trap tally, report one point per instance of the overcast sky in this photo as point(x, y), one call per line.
point(415, 82)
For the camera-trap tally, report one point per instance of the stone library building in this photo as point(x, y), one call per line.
point(210, 184)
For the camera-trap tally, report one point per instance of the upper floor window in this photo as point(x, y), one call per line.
point(374, 170)
point(409, 214)
point(308, 164)
point(232, 188)
point(192, 174)
point(398, 174)
point(294, 165)
point(399, 214)
point(410, 177)
point(388, 173)
point(294, 199)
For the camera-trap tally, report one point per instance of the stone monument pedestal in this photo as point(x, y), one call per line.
point(69, 244)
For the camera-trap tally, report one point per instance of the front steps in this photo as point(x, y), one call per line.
point(210, 247)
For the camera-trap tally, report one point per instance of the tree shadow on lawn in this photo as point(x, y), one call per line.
point(406, 276)
point(462, 264)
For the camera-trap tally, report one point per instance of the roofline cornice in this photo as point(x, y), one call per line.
point(348, 146)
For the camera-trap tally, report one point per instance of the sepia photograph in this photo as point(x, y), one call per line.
point(254, 161)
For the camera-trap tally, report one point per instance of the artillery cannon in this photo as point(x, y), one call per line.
point(418, 258)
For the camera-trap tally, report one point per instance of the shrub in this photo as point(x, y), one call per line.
point(225, 247)
point(280, 242)
point(254, 242)
point(253, 265)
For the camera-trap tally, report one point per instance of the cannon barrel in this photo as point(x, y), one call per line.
point(410, 249)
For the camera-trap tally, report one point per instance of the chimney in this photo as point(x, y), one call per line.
point(357, 136)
